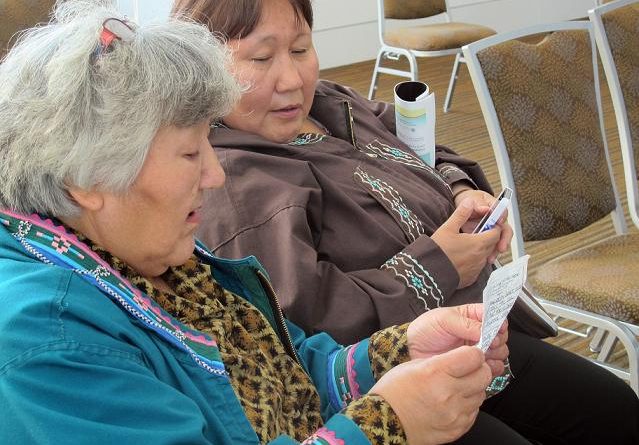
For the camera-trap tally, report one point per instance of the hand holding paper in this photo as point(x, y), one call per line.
point(500, 294)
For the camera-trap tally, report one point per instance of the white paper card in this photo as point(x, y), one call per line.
point(501, 292)
point(415, 123)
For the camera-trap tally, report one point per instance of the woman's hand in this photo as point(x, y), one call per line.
point(468, 252)
point(437, 398)
point(481, 203)
point(443, 329)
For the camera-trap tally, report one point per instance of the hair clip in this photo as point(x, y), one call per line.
point(113, 29)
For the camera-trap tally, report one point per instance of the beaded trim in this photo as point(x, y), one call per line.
point(413, 227)
point(53, 245)
point(417, 278)
point(343, 386)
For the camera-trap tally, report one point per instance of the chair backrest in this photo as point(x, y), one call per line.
point(17, 15)
point(408, 10)
point(542, 107)
point(413, 9)
point(616, 27)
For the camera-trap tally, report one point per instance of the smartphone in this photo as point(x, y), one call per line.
point(498, 208)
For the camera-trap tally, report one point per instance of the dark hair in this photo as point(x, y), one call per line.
point(235, 19)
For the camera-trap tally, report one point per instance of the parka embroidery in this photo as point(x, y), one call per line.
point(376, 148)
point(412, 226)
point(307, 139)
point(408, 270)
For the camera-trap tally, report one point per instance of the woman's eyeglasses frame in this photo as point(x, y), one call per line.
point(112, 29)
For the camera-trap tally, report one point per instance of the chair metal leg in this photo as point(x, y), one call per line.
point(597, 340)
point(373, 88)
point(607, 348)
point(453, 81)
point(617, 332)
point(395, 54)
point(414, 69)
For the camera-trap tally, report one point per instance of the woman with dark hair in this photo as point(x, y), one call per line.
point(364, 223)
point(359, 234)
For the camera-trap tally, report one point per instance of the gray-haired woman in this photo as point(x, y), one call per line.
point(116, 327)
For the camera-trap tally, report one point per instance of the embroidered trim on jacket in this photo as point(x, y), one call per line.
point(324, 436)
point(377, 149)
point(307, 139)
point(413, 226)
point(342, 381)
point(416, 277)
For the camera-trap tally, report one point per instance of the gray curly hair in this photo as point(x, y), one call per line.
point(72, 119)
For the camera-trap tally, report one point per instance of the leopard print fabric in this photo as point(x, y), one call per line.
point(275, 392)
point(375, 416)
point(388, 348)
point(377, 419)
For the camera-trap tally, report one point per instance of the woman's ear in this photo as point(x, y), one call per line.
point(91, 200)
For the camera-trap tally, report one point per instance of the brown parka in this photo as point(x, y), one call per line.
point(341, 222)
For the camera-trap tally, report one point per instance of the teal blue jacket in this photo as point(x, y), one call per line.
point(76, 368)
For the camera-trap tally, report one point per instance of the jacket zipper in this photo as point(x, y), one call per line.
point(348, 110)
point(279, 315)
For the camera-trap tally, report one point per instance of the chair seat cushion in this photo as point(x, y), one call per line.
point(436, 37)
point(602, 278)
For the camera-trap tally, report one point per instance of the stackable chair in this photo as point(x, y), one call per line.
point(542, 107)
point(17, 15)
point(431, 40)
point(616, 27)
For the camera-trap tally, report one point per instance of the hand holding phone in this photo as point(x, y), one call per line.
point(490, 219)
